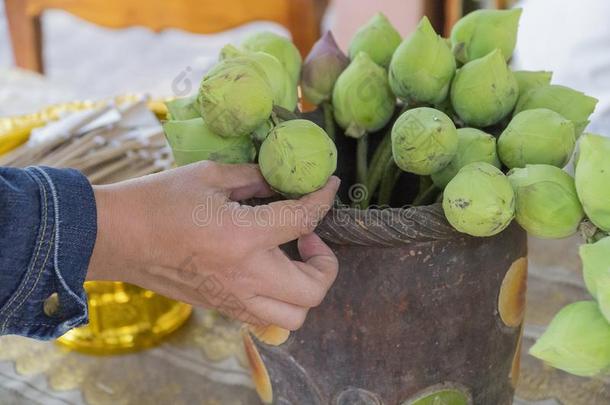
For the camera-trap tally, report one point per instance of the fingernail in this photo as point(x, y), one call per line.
point(335, 181)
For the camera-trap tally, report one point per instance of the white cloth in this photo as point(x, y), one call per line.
point(572, 39)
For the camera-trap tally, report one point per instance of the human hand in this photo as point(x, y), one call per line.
point(182, 234)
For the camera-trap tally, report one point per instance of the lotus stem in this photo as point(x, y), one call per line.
point(380, 159)
point(361, 159)
point(426, 196)
point(329, 121)
point(391, 175)
point(284, 114)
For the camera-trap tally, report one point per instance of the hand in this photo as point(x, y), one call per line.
point(182, 234)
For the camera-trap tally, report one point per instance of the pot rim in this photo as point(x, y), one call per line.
point(388, 227)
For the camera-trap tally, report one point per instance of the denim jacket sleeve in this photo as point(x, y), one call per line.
point(48, 226)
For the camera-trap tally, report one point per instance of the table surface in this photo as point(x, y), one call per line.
point(204, 363)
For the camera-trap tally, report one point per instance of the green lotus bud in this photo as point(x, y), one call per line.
point(527, 80)
point(546, 203)
point(280, 47)
point(297, 158)
point(539, 136)
point(261, 133)
point(284, 91)
point(482, 31)
point(422, 67)
point(593, 179)
point(572, 104)
point(424, 141)
point(484, 91)
point(183, 108)
point(479, 200)
point(473, 146)
point(596, 272)
point(235, 97)
point(322, 68)
point(192, 141)
point(577, 341)
point(362, 98)
point(378, 38)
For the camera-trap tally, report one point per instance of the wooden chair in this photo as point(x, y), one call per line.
point(301, 17)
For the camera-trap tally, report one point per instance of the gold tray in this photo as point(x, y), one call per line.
point(124, 318)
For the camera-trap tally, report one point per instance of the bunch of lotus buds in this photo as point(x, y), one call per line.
point(485, 142)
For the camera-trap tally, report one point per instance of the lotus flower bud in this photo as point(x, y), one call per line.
point(297, 158)
point(378, 38)
point(284, 91)
point(261, 133)
point(484, 91)
point(596, 271)
point(572, 104)
point(473, 146)
point(546, 203)
point(192, 141)
point(577, 341)
point(482, 31)
point(593, 179)
point(278, 46)
point(235, 97)
point(322, 68)
point(362, 99)
point(422, 67)
point(183, 108)
point(479, 200)
point(539, 136)
point(424, 141)
point(527, 80)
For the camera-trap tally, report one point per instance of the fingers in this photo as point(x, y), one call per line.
point(276, 276)
point(320, 269)
point(282, 221)
point(266, 311)
point(319, 260)
point(257, 310)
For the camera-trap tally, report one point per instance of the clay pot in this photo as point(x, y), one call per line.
point(419, 314)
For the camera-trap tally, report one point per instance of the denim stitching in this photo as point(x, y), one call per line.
point(57, 240)
point(39, 244)
point(44, 264)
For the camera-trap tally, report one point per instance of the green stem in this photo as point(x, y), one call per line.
point(284, 114)
point(426, 196)
point(382, 154)
point(329, 120)
point(361, 159)
point(391, 175)
point(381, 157)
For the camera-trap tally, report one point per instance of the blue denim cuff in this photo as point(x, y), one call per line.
point(50, 298)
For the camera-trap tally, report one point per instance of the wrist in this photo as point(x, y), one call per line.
point(115, 257)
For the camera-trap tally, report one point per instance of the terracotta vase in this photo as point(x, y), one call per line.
point(419, 314)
